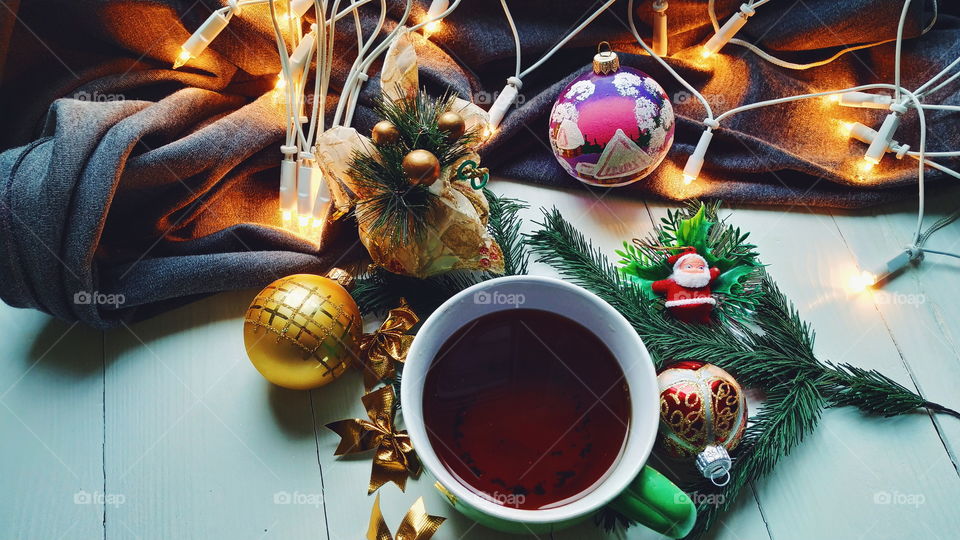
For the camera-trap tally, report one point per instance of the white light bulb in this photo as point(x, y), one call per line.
point(437, 8)
point(200, 40)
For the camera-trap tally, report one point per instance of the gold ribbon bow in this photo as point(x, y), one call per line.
point(395, 458)
point(382, 349)
point(416, 525)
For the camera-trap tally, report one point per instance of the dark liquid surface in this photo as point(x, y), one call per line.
point(527, 408)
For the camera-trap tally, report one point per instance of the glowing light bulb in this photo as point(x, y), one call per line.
point(861, 282)
point(688, 179)
point(182, 58)
point(432, 27)
point(846, 128)
point(437, 8)
point(706, 53)
point(201, 38)
point(303, 221)
point(835, 98)
point(281, 83)
point(286, 218)
point(866, 165)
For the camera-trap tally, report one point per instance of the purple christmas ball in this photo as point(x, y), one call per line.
point(611, 130)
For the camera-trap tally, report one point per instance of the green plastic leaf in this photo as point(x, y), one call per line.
point(731, 277)
point(695, 231)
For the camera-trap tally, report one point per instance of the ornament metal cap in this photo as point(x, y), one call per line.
point(605, 61)
point(714, 463)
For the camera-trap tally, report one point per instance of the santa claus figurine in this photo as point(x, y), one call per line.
point(687, 290)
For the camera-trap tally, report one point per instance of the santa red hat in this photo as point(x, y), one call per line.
point(678, 258)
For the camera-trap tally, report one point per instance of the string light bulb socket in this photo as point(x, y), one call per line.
point(865, 100)
point(728, 30)
point(300, 57)
point(660, 27)
point(201, 38)
point(299, 7)
point(881, 142)
point(695, 162)
point(288, 180)
point(504, 101)
point(890, 269)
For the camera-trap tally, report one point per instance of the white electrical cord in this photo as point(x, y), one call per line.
point(516, 35)
point(795, 66)
point(693, 91)
point(564, 41)
point(508, 95)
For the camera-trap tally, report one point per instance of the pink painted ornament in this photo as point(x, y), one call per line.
point(611, 126)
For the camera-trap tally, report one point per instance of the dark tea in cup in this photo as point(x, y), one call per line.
point(526, 408)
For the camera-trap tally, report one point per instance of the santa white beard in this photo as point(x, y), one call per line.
point(691, 280)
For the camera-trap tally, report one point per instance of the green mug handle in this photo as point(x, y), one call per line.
point(654, 501)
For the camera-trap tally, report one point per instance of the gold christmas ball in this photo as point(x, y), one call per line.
point(421, 167)
point(384, 132)
point(453, 124)
point(302, 331)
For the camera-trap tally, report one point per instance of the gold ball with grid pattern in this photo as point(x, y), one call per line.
point(302, 331)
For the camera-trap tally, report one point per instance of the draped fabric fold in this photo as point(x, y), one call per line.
point(127, 188)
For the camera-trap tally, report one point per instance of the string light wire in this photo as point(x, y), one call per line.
point(711, 10)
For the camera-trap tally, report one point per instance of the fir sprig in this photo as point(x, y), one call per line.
point(776, 355)
point(504, 226)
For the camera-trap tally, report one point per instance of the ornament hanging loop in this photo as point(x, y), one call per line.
point(714, 463)
point(605, 61)
point(478, 176)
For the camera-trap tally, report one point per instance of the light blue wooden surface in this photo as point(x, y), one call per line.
point(164, 430)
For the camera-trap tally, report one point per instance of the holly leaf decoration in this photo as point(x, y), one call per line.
point(727, 280)
point(695, 232)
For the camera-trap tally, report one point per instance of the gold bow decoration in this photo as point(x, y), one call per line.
point(395, 458)
point(381, 350)
point(416, 525)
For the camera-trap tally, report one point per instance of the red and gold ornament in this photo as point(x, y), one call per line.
point(703, 414)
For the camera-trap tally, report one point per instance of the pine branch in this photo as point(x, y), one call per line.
point(873, 392)
point(776, 355)
point(504, 226)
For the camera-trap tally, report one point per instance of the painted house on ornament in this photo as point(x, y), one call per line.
point(569, 138)
point(621, 161)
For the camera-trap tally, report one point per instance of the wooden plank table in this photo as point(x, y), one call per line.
point(163, 429)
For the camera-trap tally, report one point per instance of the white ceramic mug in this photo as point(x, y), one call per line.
point(637, 491)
